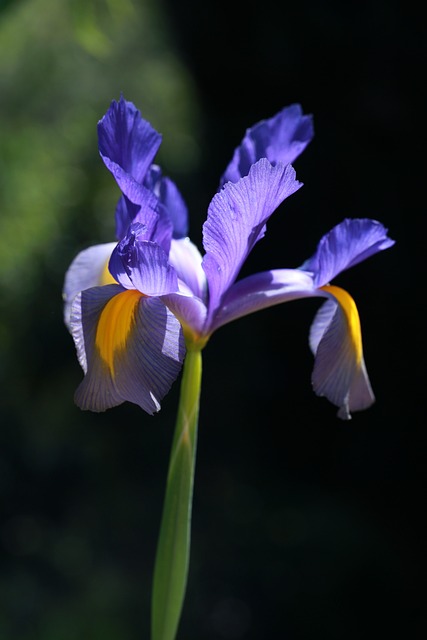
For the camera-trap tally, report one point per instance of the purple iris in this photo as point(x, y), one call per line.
point(133, 321)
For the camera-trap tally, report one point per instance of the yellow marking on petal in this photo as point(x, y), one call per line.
point(351, 313)
point(106, 277)
point(115, 324)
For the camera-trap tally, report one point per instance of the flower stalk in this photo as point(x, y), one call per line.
point(173, 548)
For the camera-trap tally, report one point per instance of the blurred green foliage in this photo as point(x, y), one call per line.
point(61, 63)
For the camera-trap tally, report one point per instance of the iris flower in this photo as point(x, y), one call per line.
point(136, 305)
point(140, 307)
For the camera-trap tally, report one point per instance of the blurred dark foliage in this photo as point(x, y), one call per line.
point(304, 527)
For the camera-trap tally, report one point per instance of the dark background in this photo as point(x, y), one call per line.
point(304, 527)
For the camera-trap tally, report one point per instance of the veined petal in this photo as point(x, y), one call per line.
point(127, 145)
point(88, 269)
point(170, 198)
point(83, 327)
point(126, 212)
point(153, 224)
point(279, 139)
point(141, 265)
point(156, 228)
point(335, 337)
point(133, 190)
point(339, 371)
point(236, 221)
point(126, 140)
point(261, 291)
point(186, 259)
point(347, 244)
point(131, 348)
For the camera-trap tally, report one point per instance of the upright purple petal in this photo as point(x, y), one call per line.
point(236, 221)
point(279, 139)
point(170, 199)
point(127, 140)
point(127, 145)
point(155, 229)
point(154, 223)
point(126, 211)
point(141, 366)
point(347, 244)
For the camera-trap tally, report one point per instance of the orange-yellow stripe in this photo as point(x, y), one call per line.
point(348, 305)
point(115, 324)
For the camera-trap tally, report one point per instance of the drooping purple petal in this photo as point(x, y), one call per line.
point(279, 139)
point(83, 326)
point(347, 244)
point(335, 339)
point(236, 221)
point(140, 369)
point(153, 359)
point(127, 145)
point(261, 291)
point(138, 264)
point(88, 269)
point(339, 371)
point(170, 199)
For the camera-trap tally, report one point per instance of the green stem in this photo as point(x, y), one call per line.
point(173, 547)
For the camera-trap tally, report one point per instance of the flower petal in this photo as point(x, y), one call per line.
point(236, 221)
point(131, 348)
point(141, 265)
point(88, 269)
point(170, 198)
point(83, 327)
point(154, 225)
point(174, 204)
point(126, 212)
point(347, 244)
point(261, 291)
point(127, 140)
point(335, 336)
point(186, 259)
point(156, 228)
point(127, 145)
point(339, 371)
point(190, 311)
point(280, 139)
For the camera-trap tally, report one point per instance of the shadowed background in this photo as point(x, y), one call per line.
point(304, 526)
